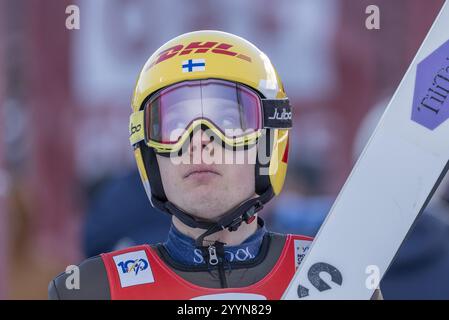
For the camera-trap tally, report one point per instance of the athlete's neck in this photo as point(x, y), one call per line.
point(230, 238)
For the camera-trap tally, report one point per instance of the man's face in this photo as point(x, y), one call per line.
point(206, 188)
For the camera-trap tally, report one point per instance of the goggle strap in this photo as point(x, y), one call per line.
point(136, 127)
point(277, 113)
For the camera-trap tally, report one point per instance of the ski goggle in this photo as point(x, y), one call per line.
point(232, 112)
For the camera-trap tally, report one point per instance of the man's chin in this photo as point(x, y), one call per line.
point(201, 210)
point(204, 190)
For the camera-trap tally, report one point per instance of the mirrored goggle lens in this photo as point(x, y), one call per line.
point(231, 108)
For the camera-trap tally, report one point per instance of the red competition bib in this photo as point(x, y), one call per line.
point(139, 273)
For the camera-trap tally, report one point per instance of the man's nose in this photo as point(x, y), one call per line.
point(200, 141)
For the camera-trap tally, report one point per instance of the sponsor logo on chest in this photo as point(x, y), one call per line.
point(133, 268)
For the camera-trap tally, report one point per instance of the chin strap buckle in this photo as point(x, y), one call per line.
point(248, 216)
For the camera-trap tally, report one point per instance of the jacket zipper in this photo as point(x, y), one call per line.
point(214, 259)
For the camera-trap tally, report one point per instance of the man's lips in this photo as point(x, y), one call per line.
point(200, 170)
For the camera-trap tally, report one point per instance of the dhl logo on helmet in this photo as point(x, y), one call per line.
point(197, 47)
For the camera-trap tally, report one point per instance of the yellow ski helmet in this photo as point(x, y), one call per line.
point(216, 55)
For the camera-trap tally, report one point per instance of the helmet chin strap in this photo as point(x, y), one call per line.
point(231, 220)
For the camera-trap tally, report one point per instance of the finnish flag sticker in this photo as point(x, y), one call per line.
point(193, 65)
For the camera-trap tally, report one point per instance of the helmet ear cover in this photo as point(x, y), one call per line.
point(263, 181)
point(153, 173)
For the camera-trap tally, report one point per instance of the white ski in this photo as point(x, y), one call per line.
point(391, 183)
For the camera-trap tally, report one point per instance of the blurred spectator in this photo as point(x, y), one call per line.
point(120, 215)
